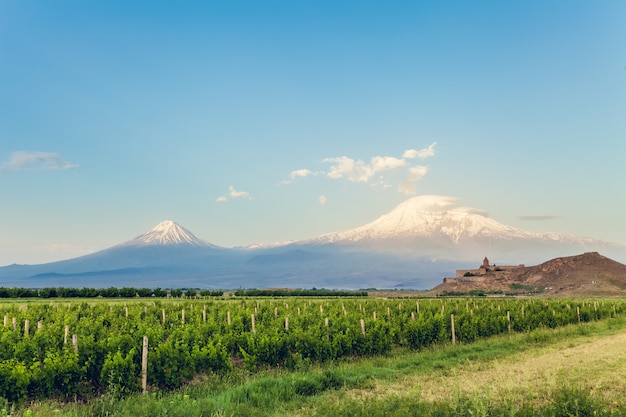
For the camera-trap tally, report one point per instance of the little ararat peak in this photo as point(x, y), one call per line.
point(168, 232)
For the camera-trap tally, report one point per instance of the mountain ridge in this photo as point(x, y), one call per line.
point(412, 246)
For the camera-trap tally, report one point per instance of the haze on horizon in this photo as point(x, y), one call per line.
point(257, 122)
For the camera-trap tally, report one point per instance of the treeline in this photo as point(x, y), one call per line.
point(298, 293)
point(112, 292)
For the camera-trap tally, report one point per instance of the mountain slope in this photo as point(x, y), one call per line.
point(435, 227)
point(166, 249)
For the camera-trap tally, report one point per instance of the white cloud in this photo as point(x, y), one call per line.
point(414, 174)
point(323, 199)
point(354, 171)
point(300, 173)
point(238, 194)
point(382, 172)
point(359, 171)
point(232, 192)
point(385, 163)
point(421, 154)
point(23, 160)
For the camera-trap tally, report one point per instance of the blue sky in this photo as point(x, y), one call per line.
point(264, 121)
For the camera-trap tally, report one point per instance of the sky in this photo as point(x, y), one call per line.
point(267, 121)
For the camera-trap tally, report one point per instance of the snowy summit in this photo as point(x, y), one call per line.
point(437, 218)
point(168, 233)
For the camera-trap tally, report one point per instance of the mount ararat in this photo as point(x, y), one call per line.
point(416, 244)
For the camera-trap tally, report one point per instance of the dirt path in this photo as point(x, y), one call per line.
point(597, 363)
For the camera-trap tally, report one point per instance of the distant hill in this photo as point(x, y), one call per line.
point(589, 274)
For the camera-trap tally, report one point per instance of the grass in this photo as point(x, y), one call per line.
point(574, 370)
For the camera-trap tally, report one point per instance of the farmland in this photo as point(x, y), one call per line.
point(78, 351)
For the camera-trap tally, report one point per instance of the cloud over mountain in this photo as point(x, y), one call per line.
point(377, 172)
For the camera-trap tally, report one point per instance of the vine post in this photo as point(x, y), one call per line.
point(144, 365)
point(452, 325)
point(508, 319)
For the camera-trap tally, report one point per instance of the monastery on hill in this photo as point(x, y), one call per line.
point(484, 269)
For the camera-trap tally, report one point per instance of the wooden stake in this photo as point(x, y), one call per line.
point(453, 334)
point(144, 365)
point(183, 316)
point(326, 322)
point(26, 325)
point(228, 318)
point(163, 315)
point(508, 318)
point(204, 314)
point(253, 326)
point(75, 342)
point(67, 332)
point(363, 327)
point(578, 312)
point(287, 323)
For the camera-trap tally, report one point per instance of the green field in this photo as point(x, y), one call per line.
point(311, 356)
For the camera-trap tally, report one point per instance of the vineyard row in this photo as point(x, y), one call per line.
point(68, 350)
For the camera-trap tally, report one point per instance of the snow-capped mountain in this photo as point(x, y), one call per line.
point(168, 233)
point(416, 244)
point(426, 216)
point(436, 227)
point(167, 251)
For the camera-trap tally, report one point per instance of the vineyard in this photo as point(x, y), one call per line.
point(75, 350)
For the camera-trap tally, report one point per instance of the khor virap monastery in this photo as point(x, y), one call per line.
point(484, 269)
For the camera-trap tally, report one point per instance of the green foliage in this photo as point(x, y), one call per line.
point(42, 363)
point(120, 372)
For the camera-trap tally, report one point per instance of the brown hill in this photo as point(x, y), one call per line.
point(589, 274)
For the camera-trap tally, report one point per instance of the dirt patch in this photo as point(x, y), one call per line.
point(598, 365)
